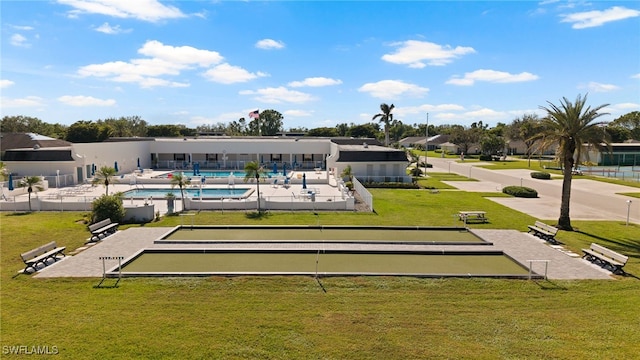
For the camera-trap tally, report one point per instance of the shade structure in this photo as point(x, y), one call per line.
point(10, 187)
point(115, 166)
point(304, 180)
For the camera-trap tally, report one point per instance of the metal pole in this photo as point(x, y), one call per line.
point(426, 147)
point(628, 210)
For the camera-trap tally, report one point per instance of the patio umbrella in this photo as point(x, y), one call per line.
point(284, 169)
point(195, 169)
point(93, 169)
point(115, 166)
point(138, 163)
point(304, 180)
point(275, 168)
point(10, 187)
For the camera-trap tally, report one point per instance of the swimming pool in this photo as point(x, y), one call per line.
point(222, 193)
point(239, 174)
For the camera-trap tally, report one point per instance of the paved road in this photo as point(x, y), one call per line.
point(590, 199)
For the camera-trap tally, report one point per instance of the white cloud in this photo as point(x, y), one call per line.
point(415, 53)
point(598, 87)
point(491, 76)
point(5, 83)
point(484, 114)
point(278, 95)
point(19, 40)
point(85, 101)
point(22, 28)
point(165, 60)
point(626, 106)
point(229, 74)
point(269, 44)
point(315, 82)
point(636, 76)
point(587, 19)
point(186, 55)
point(392, 89)
point(402, 111)
point(298, 113)
point(29, 101)
point(145, 10)
point(111, 30)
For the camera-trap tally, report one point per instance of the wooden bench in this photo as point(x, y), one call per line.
point(605, 257)
point(469, 216)
point(105, 227)
point(544, 231)
point(41, 254)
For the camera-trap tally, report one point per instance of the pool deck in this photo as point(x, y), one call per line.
point(520, 246)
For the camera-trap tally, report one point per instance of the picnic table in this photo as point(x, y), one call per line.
point(473, 215)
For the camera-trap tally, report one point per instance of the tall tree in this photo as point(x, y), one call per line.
point(253, 170)
point(31, 182)
point(182, 181)
point(386, 117)
point(268, 124)
point(87, 131)
point(105, 176)
point(630, 121)
point(570, 125)
point(524, 129)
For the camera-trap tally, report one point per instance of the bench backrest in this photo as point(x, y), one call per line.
point(549, 228)
point(609, 253)
point(99, 224)
point(38, 251)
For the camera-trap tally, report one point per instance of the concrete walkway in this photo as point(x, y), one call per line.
point(521, 247)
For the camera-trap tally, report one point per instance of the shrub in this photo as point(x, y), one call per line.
point(108, 207)
point(391, 185)
point(486, 158)
point(421, 165)
point(541, 175)
point(520, 191)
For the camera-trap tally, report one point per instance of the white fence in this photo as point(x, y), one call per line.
point(363, 192)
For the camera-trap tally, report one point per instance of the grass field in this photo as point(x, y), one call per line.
point(297, 317)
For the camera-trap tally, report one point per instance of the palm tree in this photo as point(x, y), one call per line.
point(570, 125)
point(386, 117)
point(181, 181)
point(105, 175)
point(253, 170)
point(30, 182)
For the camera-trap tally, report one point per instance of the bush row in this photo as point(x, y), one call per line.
point(541, 175)
point(520, 191)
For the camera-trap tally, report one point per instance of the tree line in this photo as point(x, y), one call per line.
point(270, 123)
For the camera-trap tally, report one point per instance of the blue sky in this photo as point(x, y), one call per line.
point(319, 63)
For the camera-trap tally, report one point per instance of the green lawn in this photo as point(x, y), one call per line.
point(296, 317)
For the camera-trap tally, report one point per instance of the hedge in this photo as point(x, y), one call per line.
point(541, 175)
point(520, 191)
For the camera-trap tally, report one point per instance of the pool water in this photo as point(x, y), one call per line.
point(193, 193)
point(239, 174)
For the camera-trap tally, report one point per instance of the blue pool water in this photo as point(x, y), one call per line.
point(194, 193)
point(218, 174)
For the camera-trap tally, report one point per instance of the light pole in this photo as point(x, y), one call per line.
point(628, 210)
point(426, 147)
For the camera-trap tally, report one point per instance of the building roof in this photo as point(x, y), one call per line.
point(369, 153)
point(38, 155)
point(29, 141)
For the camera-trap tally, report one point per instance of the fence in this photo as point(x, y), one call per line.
point(363, 192)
